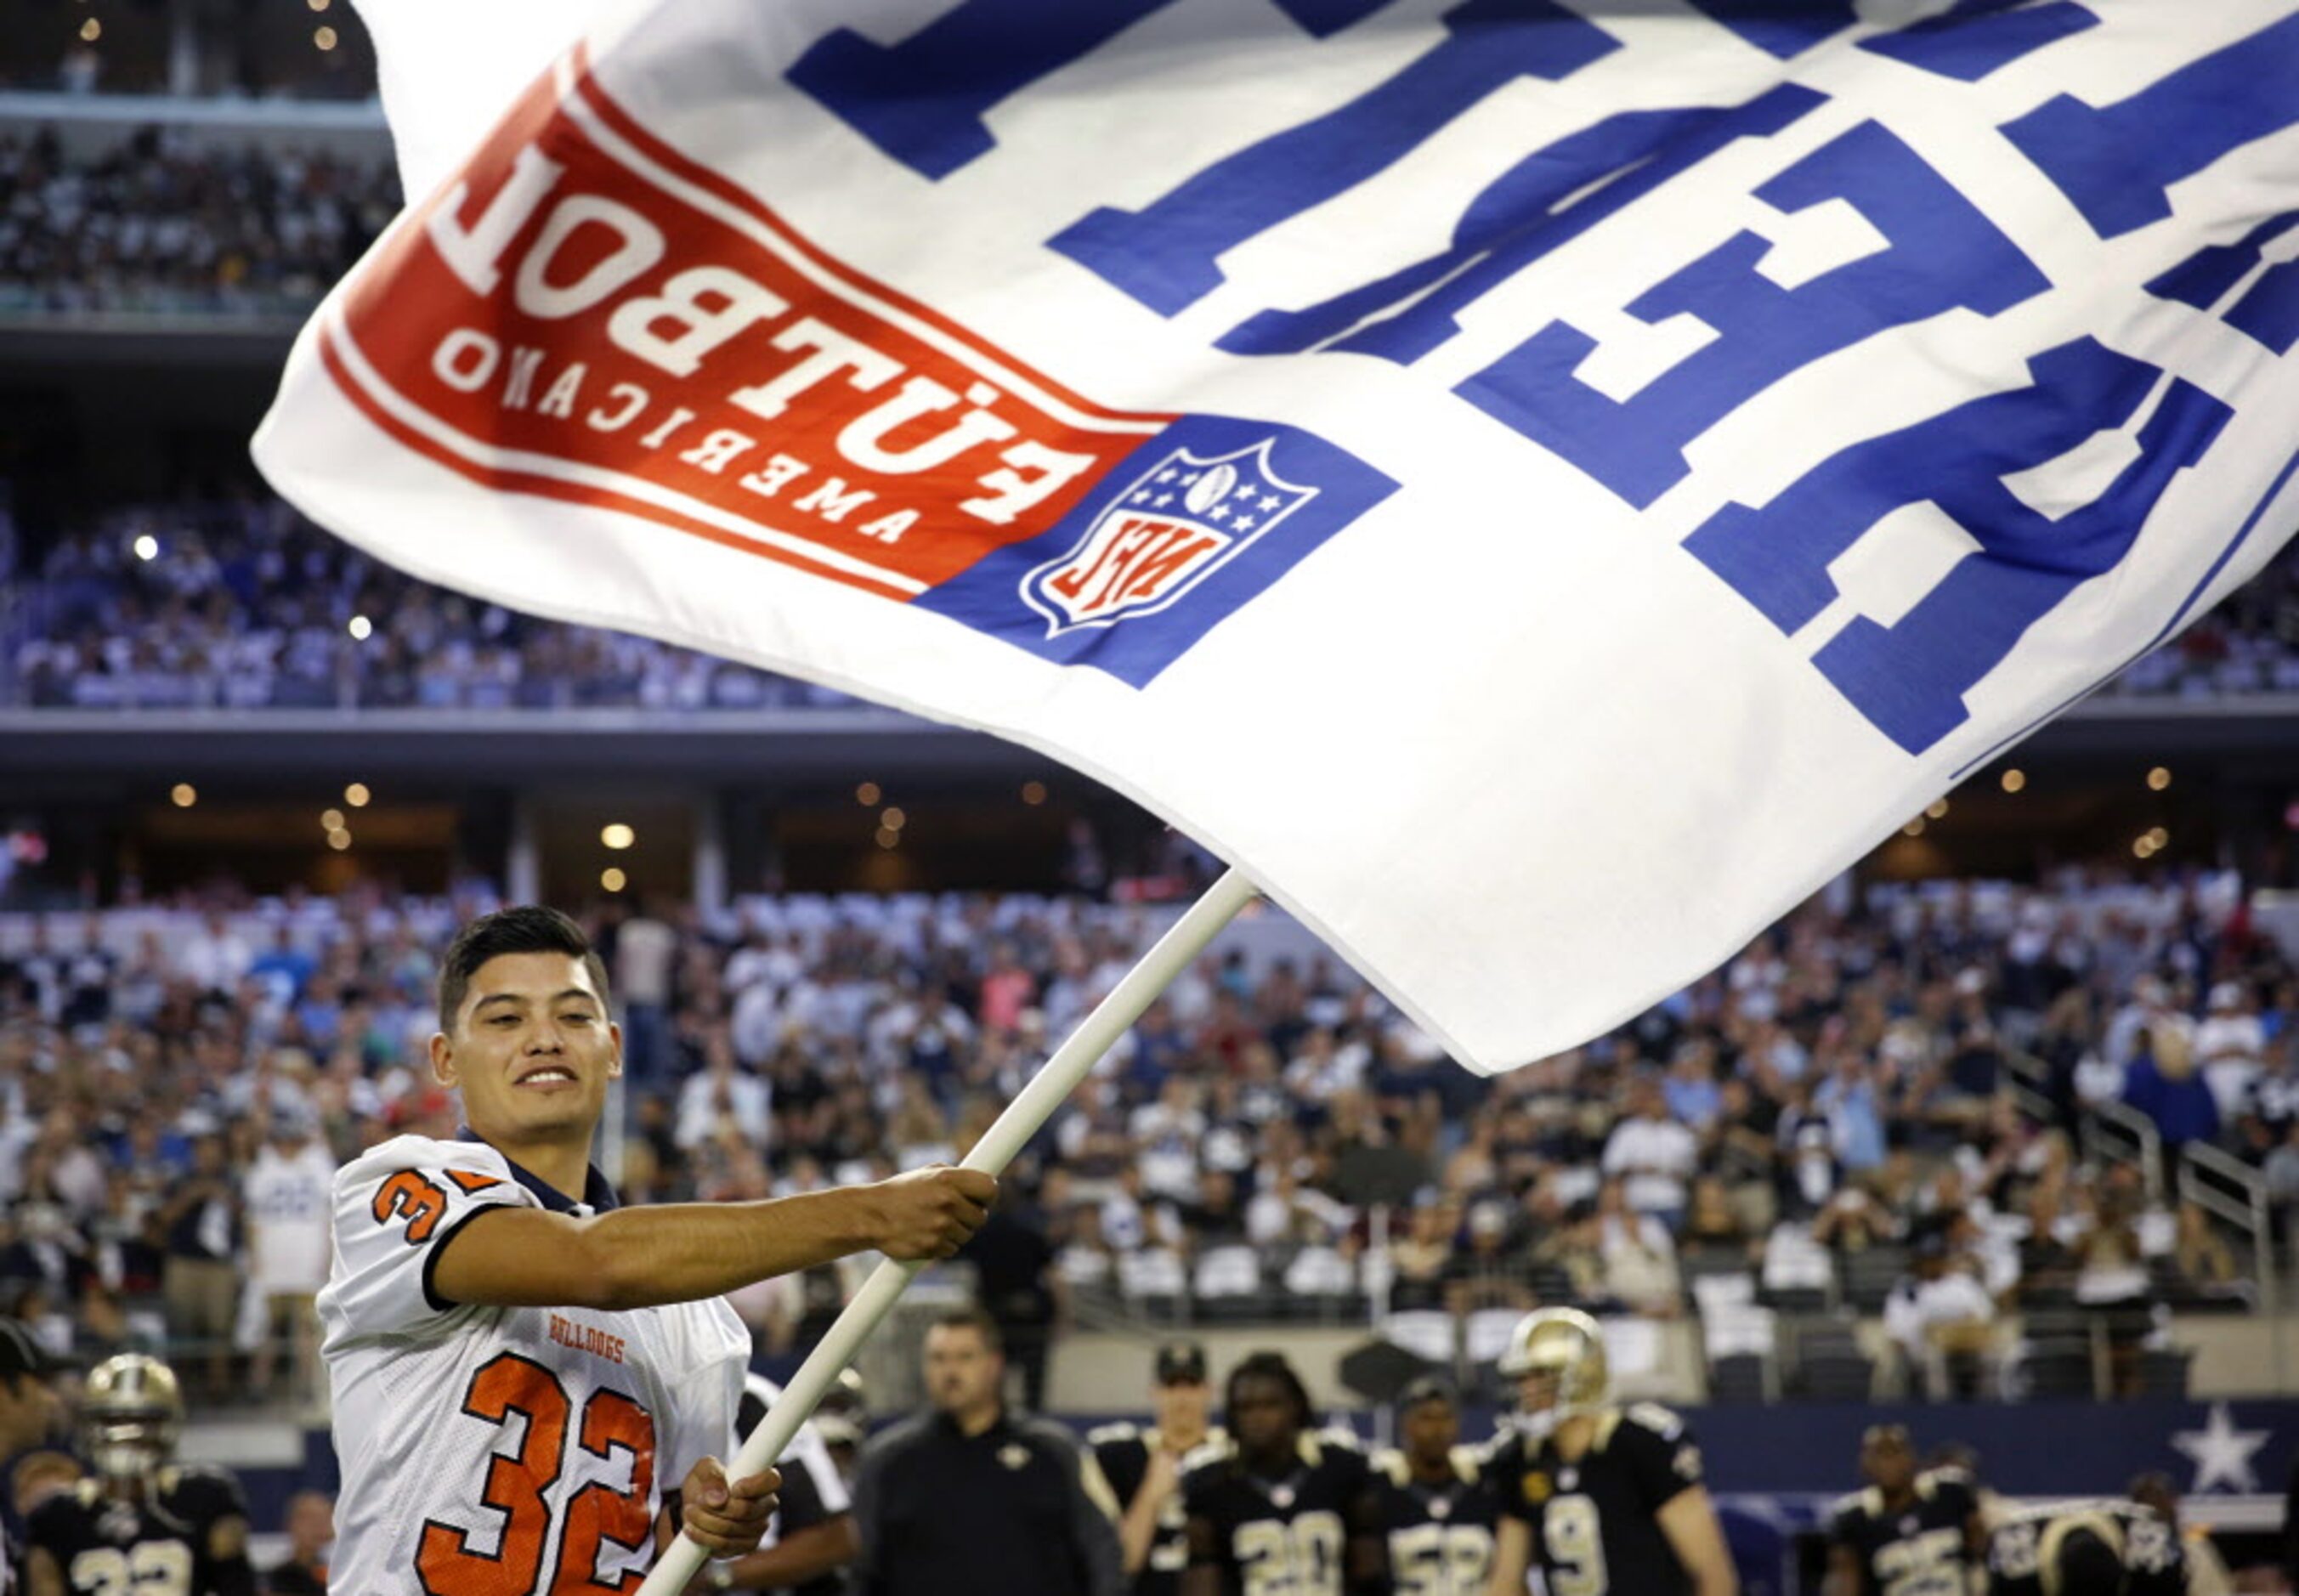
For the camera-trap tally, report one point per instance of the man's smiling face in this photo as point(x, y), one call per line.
point(533, 1048)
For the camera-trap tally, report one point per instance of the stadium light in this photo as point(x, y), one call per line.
point(2158, 779)
point(331, 821)
point(1034, 793)
point(613, 879)
point(2014, 780)
point(1915, 828)
point(339, 839)
point(147, 547)
point(1938, 810)
point(866, 794)
point(356, 794)
point(617, 837)
point(325, 38)
point(888, 836)
point(894, 820)
point(91, 30)
point(362, 629)
point(185, 795)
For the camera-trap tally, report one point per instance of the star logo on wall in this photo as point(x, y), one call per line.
point(2221, 1453)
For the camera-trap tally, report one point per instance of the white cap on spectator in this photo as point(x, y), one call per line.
point(2226, 995)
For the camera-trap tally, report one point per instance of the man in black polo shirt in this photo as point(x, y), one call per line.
point(969, 1499)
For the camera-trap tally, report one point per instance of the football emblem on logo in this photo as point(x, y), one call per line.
point(1162, 533)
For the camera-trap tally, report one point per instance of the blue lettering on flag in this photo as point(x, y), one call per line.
point(1518, 219)
point(1943, 255)
point(2268, 309)
point(2116, 163)
point(1165, 256)
point(922, 100)
point(1909, 678)
point(1191, 525)
point(1782, 31)
point(1977, 37)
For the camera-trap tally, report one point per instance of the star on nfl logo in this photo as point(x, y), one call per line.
point(1161, 535)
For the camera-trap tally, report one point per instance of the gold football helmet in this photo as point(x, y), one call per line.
point(130, 1416)
point(1567, 1343)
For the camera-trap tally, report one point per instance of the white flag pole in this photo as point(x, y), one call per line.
point(1005, 1138)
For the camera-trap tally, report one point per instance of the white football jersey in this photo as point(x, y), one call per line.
point(501, 1451)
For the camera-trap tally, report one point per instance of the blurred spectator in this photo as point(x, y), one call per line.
point(1654, 1153)
point(2230, 1047)
point(287, 1194)
point(1018, 1287)
point(203, 1221)
point(311, 1535)
point(1639, 1258)
point(1942, 1319)
point(2205, 1260)
point(2162, 1082)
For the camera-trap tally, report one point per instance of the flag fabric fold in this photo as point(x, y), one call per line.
point(1540, 487)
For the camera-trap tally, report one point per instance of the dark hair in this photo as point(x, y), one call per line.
point(530, 928)
point(975, 1319)
point(1270, 1366)
point(1424, 1391)
point(2086, 1564)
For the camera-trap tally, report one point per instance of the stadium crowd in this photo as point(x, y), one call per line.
point(156, 225)
point(246, 605)
point(1833, 1115)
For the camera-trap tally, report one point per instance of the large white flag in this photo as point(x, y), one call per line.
point(1540, 487)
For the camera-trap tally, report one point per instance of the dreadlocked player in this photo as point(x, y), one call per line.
point(1608, 1498)
point(141, 1523)
point(1273, 1509)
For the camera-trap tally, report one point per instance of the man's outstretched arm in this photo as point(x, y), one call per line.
point(512, 1257)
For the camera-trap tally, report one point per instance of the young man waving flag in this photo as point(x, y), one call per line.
point(522, 1371)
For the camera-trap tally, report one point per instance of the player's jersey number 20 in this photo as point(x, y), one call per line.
point(518, 1487)
point(147, 1568)
point(1302, 1558)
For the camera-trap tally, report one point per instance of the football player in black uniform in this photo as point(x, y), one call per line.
point(1144, 1468)
point(2086, 1549)
point(1432, 1506)
point(1609, 1498)
point(1910, 1534)
point(141, 1523)
point(811, 1538)
point(1273, 1509)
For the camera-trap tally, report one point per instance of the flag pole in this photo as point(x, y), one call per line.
point(1006, 1137)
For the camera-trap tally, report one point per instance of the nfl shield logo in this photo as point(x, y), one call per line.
point(1161, 535)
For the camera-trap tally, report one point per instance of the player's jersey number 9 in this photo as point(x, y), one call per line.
point(1576, 1547)
point(1302, 1558)
point(518, 1488)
